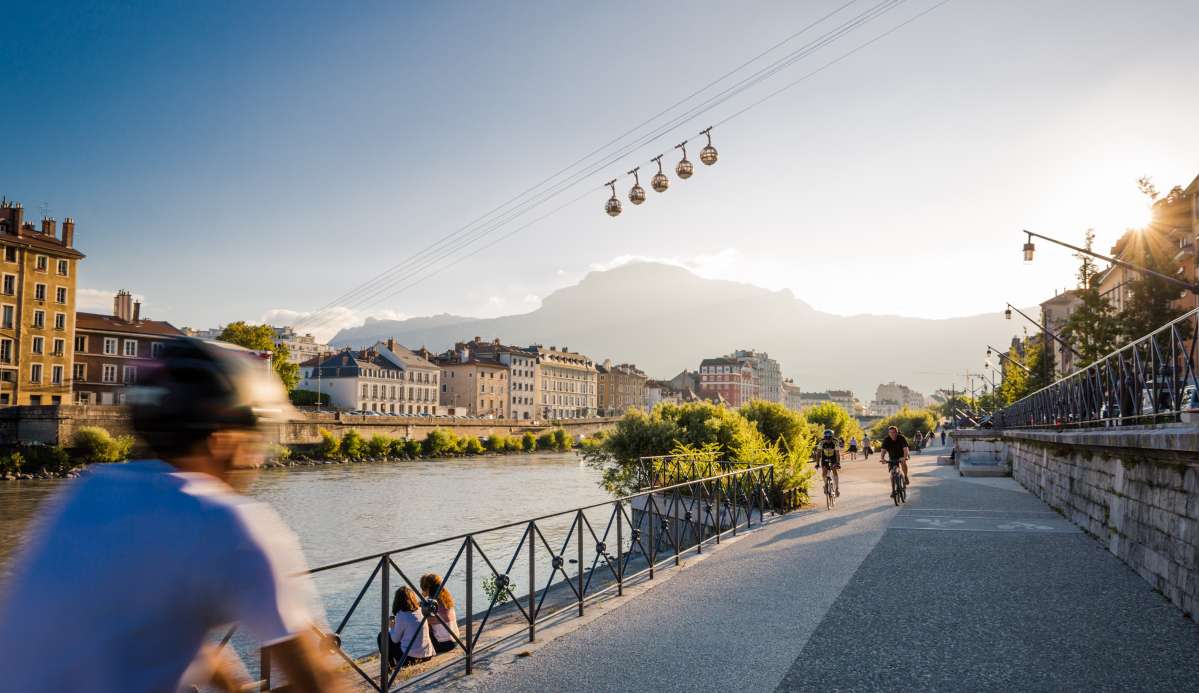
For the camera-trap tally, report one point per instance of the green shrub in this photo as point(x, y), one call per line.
point(833, 416)
point(94, 444)
point(329, 448)
point(378, 446)
point(545, 441)
point(48, 458)
point(12, 463)
point(495, 442)
point(908, 421)
point(412, 448)
point(513, 444)
point(278, 452)
point(353, 447)
point(440, 443)
point(397, 448)
point(307, 398)
point(528, 442)
point(562, 439)
point(472, 446)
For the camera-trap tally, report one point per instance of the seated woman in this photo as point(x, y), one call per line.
point(443, 635)
point(408, 630)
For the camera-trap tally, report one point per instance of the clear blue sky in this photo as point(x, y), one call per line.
point(230, 160)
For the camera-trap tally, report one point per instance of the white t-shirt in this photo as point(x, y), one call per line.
point(129, 569)
point(441, 633)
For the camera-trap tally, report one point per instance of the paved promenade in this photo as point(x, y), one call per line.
point(973, 585)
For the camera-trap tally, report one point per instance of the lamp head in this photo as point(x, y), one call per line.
point(1029, 249)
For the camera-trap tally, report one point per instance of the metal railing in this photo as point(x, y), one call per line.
point(603, 548)
point(1147, 381)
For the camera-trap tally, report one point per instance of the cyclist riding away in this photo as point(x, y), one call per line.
point(828, 456)
point(896, 451)
point(144, 559)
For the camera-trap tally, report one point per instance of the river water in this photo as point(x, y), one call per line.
point(343, 511)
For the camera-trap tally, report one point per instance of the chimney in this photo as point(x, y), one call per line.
point(68, 232)
point(48, 225)
point(391, 344)
point(122, 306)
point(137, 311)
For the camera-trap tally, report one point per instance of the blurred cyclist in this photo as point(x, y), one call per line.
point(828, 456)
point(133, 564)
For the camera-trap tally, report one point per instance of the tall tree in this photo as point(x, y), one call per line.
point(262, 338)
point(1091, 329)
point(1151, 300)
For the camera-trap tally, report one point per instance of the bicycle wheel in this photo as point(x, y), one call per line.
point(896, 490)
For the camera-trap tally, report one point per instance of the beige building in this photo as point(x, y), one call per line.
point(620, 388)
point(792, 396)
point(567, 383)
point(475, 383)
point(523, 373)
point(1054, 314)
point(37, 308)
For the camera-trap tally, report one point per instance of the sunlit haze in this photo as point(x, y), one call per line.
point(296, 152)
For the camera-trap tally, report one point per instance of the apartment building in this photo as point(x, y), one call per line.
point(728, 379)
point(792, 395)
point(1054, 314)
point(620, 387)
point(300, 347)
point(523, 373)
point(478, 383)
point(37, 308)
point(111, 350)
point(567, 384)
point(387, 379)
point(768, 375)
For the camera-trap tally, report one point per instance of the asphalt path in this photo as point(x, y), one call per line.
point(974, 584)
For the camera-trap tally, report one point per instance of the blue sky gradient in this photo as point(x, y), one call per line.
point(243, 160)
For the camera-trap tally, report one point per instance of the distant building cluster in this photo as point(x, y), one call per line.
point(890, 398)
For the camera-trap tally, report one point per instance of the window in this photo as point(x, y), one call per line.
point(131, 347)
point(4, 398)
point(8, 320)
point(10, 253)
point(35, 373)
point(110, 346)
point(108, 374)
point(156, 349)
point(41, 262)
point(5, 351)
point(129, 374)
point(10, 284)
point(39, 318)
point(60, 346)
point(39, 292)
point(80, 343)
point(60, 294)
point(60, 321)
point(56, 374)
point(35, 400)
point(63, 267)
point(364, 389)
point(39, 344)
point(79, 372)
point(83, 398)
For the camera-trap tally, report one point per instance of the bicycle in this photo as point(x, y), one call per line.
point(899, 492)
point(830, 490)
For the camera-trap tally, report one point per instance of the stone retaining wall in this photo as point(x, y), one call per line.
point(57, 425)
point(1135, 490)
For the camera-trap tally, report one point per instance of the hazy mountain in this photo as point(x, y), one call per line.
point(665, 319)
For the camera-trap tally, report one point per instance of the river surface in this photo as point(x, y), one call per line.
point(341, 512)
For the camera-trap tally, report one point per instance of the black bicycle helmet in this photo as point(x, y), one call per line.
point(196, 387)
point(828, 433)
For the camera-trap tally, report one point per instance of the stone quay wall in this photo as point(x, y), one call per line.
point(1136, 490)
point(56, 425)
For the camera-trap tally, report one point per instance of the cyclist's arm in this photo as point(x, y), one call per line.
point(907, 454)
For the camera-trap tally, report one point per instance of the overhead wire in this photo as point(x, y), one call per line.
point(389, 287)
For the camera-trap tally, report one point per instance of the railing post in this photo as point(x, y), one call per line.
point(774, 494)
point(619, 549)
point(674, 522)
point(579, 531)
point(384, 617)
point(470, 604)
point(653, 547)
point(532, 583)
point(719, 508)
point(733, 482)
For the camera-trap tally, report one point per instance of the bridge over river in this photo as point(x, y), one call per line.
point(974, 584)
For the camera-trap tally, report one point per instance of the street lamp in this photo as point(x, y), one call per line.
point(1057, 339)
point(1029, 248)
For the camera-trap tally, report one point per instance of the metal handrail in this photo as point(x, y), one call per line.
point(1148, 380)
point(662, 524)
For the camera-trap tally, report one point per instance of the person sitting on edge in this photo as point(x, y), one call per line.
point(443, 635)
point(408, 630)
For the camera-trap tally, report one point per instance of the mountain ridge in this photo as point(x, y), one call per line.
point(665, 319)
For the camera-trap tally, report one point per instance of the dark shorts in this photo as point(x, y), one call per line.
point(853, 448)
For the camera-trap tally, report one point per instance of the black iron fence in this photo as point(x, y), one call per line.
point(514, 577)
point(1150, 380)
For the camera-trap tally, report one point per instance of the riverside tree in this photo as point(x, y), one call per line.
point(1090, 329)
point(262, 338)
